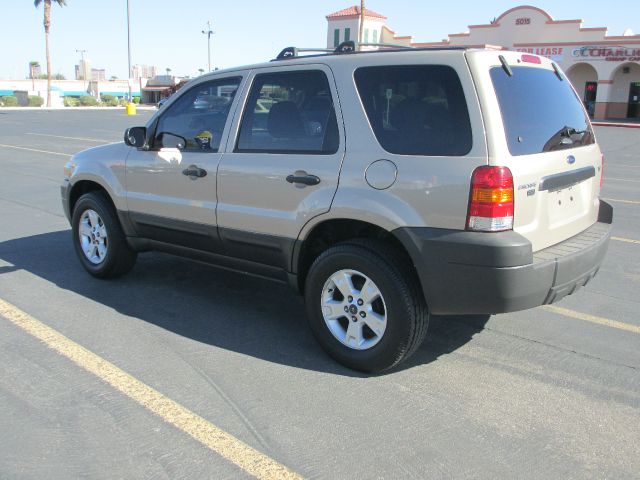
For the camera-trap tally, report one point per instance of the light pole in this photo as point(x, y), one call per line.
point(208, 32)
point(129, 80)
point(84, 68)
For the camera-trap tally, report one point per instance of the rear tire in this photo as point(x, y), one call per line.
point(365, 306)
point(98, 238)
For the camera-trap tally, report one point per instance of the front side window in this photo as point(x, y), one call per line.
point(199, 115)
point(289, 112)
point(416, 109)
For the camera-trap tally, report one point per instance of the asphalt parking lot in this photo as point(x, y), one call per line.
point(188, 371)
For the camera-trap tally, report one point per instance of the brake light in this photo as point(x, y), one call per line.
point(601, 169)
point(491, 200)
point(530, 59)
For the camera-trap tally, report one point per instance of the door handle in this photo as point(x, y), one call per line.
point(194, 172)
point(303, 178)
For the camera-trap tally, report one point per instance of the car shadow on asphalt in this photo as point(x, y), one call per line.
point(230, 310)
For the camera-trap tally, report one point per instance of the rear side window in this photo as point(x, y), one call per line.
point(540, 112)
point(416, 109)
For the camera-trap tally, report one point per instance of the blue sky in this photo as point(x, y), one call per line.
point(168, 34)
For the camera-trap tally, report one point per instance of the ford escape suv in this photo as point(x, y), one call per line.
point(384, 186)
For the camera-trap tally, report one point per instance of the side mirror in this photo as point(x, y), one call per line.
point(135, 136)
point(169, 140)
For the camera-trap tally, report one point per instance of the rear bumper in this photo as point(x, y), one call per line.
point(473, 272)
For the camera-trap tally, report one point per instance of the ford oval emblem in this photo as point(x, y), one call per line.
point(571, 159)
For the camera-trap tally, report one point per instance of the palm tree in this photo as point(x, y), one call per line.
point(168, 72)
point(47, 26)
point(201, 71)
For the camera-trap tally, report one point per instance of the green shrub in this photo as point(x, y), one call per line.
point(136, 100)
point(9, 101)
point(71, 102)
point(123, 102)
point(109, 100)
point(35, 101)
point(88, 101)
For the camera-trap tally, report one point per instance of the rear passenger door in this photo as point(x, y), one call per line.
point(283, 166)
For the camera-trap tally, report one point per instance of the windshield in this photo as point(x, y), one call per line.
point(540, 112)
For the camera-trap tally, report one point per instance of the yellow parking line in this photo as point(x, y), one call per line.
point(593, 319)
point(36, 150)
point(97, 140)
point(216, 439)
point(626, 240)
point(621, 201)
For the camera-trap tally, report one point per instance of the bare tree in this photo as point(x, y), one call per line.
point(361, 30)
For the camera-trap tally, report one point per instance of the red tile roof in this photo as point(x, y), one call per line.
point(354, 12)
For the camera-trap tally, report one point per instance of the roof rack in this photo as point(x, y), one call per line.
point(353, 47)
point(387, 45)
point(292, 52)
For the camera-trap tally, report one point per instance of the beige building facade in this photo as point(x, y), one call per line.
point(605, 70)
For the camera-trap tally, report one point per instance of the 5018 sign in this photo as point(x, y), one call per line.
point(523, 21)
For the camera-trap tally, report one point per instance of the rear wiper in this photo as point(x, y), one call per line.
point(562, 139)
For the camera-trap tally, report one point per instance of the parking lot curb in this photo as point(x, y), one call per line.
point(616, 124)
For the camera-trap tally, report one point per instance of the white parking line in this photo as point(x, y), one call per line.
point(97, 140)
point(622, 180)
point(36, 150)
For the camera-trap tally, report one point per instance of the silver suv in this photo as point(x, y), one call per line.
point(384, 186)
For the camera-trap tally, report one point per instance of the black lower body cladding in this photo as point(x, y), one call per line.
point(484, 273)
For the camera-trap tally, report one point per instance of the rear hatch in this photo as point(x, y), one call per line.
point(537, 127)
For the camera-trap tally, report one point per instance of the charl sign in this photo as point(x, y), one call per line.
point(607, 53)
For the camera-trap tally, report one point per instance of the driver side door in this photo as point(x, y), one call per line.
point(171, 186)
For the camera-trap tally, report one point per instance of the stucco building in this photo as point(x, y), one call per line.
point(605, 70)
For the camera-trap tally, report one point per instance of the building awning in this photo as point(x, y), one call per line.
point(6, 93)
point(115, 94)
point(155, 89)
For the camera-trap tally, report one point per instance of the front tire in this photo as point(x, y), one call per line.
point(364, 305)
point(98, 238)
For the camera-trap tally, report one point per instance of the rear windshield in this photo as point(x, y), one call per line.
point(540, 112)
point(416, 110)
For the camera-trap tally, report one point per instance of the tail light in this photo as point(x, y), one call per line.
point(601, 169)
point(491, 200)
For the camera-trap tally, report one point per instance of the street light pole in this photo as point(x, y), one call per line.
point(208, 32)
point(84, 68)
point(129, 80)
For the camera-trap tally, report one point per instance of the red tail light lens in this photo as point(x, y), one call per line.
point(601, 169)
point(491, 200)
point(531, 59)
